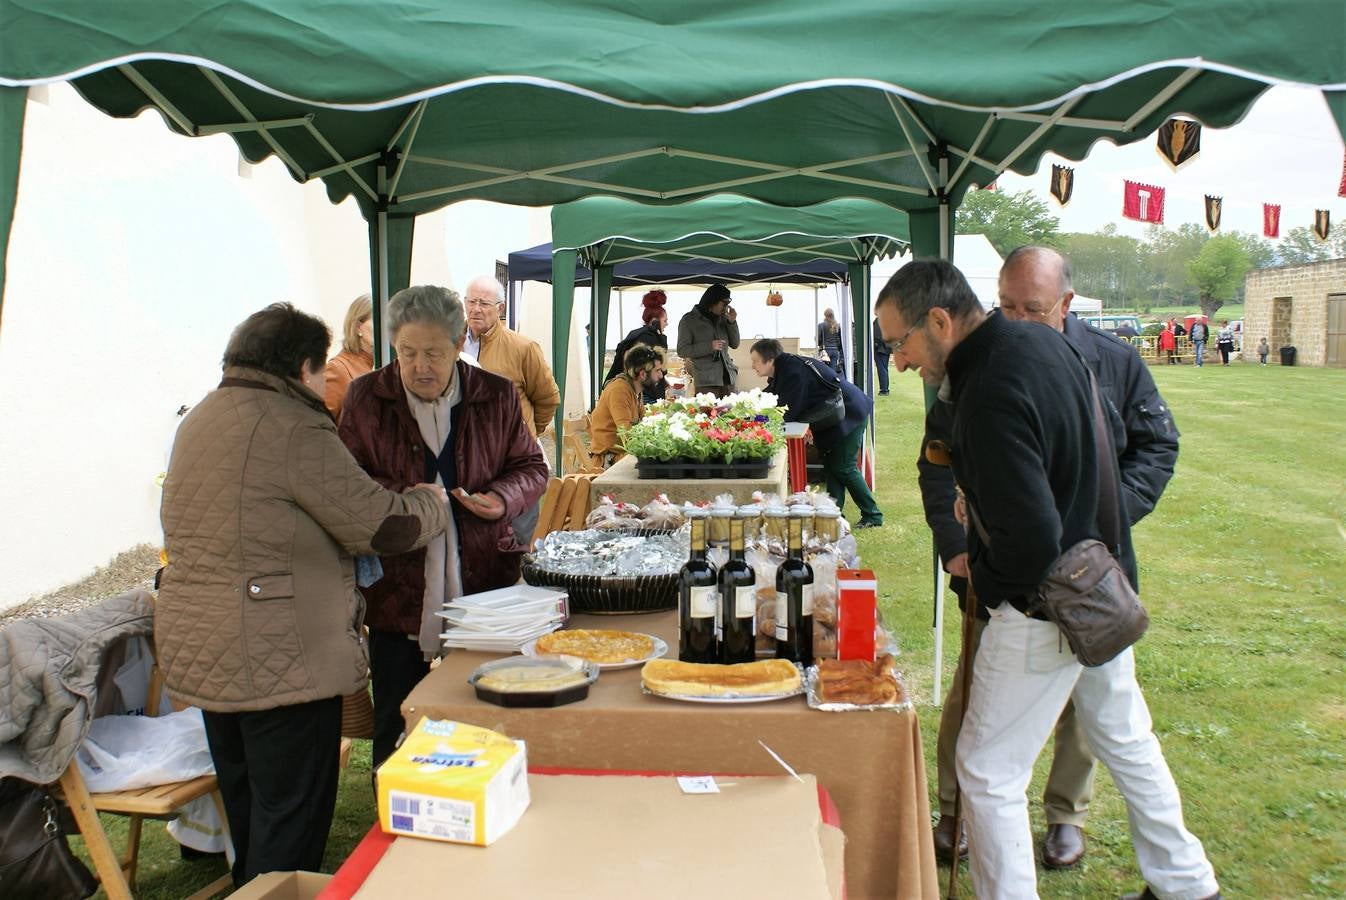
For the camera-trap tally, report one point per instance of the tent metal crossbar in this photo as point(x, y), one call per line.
point(639, 253)
point(241, 108)
point(770, 172)
point(415, 123)
point(921, 161)
point(1036, 134)
point(357, 161)
point(972, 150)
point(260, 125)
point(1161, 98)
point(823, 250)
point(174, 115)
point(775, 171)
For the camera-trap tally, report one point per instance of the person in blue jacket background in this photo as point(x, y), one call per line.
point(806, 387)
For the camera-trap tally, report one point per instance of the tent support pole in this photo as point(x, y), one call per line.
point(382, 342)
point(13, 105)
point(563, 306)
point(600, 304)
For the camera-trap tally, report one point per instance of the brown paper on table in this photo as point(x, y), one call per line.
point(870, 762)
point(619, 837)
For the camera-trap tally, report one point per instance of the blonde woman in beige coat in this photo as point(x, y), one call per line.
point(258, 620)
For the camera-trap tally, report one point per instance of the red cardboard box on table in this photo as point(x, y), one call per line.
point(857, 613)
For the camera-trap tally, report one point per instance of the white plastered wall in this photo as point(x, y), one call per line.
point(134, 253)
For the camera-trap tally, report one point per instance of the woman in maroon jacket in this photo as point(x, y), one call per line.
point(429, 417)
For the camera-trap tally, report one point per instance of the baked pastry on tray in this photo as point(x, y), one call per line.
point(597, 645)
point(679, 679)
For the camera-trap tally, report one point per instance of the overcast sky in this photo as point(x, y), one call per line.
point(1286, 150)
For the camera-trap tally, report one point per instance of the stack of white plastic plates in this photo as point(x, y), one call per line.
point(503, 621)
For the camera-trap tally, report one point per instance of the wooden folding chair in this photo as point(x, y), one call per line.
point(118, 873)
point(575, 448)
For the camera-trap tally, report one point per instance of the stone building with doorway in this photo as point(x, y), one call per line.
point(1300, 306)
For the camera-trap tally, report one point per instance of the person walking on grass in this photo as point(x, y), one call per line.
point(1168, 343)
point(1263, 351)
point(1224, 341)
point(1200, 333)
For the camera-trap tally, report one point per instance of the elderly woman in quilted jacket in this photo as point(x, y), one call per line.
point(431, 417)
point(258, 620)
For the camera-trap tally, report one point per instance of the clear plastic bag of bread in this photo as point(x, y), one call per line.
point(825, 564)
point(824, 636)
point(610, 514)
point(661, 514)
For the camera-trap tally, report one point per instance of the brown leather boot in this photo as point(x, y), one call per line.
point(1063, 847)
point(944, 840)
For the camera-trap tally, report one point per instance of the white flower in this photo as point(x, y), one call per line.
point(678, 431)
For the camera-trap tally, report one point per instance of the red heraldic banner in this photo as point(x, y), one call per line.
point(1143, 202)
point(1271, 220)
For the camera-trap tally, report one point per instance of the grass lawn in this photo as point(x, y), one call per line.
point(1243, 569)
point(1230, 311)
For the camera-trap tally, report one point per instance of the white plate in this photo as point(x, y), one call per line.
point(754, 698)
point(660, 648)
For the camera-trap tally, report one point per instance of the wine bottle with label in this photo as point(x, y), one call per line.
point(738, 602)
point(794, 600)
point(697, 599)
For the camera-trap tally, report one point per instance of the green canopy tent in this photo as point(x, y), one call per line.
point(536, 103)
point(603, 233)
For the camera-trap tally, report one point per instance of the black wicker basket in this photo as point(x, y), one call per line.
point(610, 594)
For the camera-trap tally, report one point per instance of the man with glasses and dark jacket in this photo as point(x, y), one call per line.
point(1035, 286)
point(1021, 443)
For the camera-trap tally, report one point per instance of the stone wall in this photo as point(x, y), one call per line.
point(1288, 306)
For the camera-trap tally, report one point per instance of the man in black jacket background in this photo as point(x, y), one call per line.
point(1022, 447)
point(1035, 286)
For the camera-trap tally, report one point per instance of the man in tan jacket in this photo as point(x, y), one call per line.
point(621, 403)
point(511, 355)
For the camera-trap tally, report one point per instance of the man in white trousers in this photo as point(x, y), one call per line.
point(1023, 452)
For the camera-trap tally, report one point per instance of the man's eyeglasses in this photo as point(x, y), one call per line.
point(897, 345)
point(1044, 316)
point(480, 303)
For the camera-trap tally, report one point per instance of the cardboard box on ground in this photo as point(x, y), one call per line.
point(283, 886)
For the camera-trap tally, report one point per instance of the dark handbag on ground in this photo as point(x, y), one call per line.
point(1086, 594)
point(35, 859)
point(831, 412)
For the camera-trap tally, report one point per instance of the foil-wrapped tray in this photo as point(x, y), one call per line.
point(606, 571)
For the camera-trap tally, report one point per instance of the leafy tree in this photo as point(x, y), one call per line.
point(1107, 266)
point(1169, 252)
point(1217, 271)
point(1261, 253)
point(1301, 245)
point(1008, 220)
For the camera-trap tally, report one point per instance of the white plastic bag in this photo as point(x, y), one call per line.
point(125, 752)
point(198, 826)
